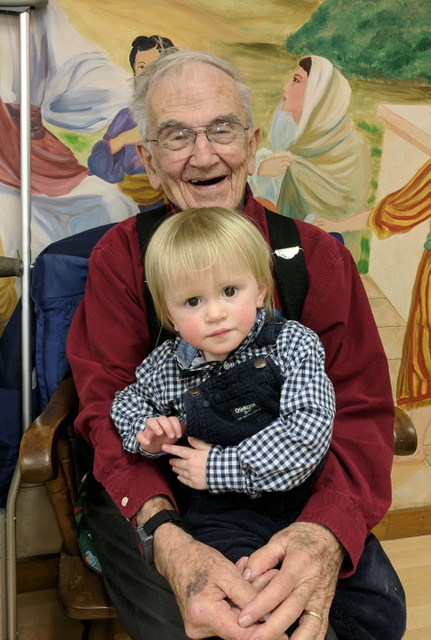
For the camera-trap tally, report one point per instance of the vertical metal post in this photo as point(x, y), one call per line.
point(24, 23)
point(24, 29)
point(3, 617)
point(8, 533)
point(11, 556)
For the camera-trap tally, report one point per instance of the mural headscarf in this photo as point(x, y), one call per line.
point(329, 161)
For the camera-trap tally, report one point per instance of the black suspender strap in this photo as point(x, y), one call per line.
point(146, 223)
point(289, 266)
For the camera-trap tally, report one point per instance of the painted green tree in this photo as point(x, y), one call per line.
point(370, 39)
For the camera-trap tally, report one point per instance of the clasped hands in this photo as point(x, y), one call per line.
point(260, 597)
point(252, 600)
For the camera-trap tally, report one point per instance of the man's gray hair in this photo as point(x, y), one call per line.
point(172, 61)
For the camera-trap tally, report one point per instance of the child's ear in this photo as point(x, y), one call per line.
point(263, 290)
point(172, 322)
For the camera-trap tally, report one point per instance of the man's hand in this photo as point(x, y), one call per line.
point(209, 589)
point(159, 431)
point(310, 558)
point(190, 465)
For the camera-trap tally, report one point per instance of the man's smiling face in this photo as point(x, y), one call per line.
point(201, 175)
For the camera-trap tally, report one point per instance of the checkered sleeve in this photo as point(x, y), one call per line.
point(156, 392)
point(286, 452)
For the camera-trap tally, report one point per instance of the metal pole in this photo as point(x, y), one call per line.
point(24, 24)
point(11, 555)
point(15, 6)
point(3, 617)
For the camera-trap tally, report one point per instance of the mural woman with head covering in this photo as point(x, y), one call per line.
point(114, 158)
point(319, 165)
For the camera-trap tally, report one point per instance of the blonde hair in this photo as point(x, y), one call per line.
point(196, 240)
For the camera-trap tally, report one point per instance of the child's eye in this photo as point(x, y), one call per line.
point(193, 302)
point(229, 292)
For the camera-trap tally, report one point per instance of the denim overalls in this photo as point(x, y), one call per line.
point(224, 410)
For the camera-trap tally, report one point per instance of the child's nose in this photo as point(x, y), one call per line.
point(215, 311)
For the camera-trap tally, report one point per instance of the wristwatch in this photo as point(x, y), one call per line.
point(146, 531)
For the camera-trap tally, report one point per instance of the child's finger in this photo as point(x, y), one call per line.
point(154, 425)
point(167, 427)
point(176, 426)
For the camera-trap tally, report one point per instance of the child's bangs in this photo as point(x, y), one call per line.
point(208, 254)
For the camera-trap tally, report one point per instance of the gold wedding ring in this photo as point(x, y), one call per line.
point(308, 612)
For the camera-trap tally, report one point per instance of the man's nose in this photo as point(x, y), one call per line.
point(203, 151)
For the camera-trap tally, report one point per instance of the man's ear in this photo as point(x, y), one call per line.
point(147, 160)
point(254, 140)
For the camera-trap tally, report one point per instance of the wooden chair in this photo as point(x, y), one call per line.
point(46, 456)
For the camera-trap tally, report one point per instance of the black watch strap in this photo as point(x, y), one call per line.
point(145, 531)
point(160, 518)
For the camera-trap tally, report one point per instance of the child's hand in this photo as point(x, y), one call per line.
point(191, 463)
point(159, 431)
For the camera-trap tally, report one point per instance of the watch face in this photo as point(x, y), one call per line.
point(141, 532)
point(148, 550)
point(147, 545)
point(145, 531)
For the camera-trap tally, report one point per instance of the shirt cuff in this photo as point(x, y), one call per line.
point(224, 472)
point(150, 455)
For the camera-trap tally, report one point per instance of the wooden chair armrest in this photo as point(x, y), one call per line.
point(36, 454)
point(405, 436)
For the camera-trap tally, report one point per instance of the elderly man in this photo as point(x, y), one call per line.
point(199, 146)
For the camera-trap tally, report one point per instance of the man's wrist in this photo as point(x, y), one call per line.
point(161, 517)
point(156, 514)
point(152, 506)
point(170, 544)
point(327, 538)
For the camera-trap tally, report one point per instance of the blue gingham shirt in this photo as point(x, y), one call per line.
point(277, 458)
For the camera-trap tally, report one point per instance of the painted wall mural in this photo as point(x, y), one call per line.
point(317, 94)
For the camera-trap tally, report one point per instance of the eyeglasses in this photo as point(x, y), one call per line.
point(222, 133)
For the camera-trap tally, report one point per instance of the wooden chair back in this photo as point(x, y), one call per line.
point(46, 456)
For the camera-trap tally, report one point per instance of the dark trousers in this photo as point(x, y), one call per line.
point(237, 525)
point(370, 605)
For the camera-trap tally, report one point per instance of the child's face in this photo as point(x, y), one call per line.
point(215, 311)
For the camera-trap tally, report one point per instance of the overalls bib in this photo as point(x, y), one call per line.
point(224, 410)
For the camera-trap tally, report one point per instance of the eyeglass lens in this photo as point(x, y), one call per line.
point(218, 133)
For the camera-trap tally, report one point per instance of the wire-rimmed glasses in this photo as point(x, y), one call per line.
point(218, 133)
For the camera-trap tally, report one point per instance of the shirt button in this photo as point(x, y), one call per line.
point(124, 501)
point(226, 365)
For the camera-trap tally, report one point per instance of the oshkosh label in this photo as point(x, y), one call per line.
point(245, 410)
